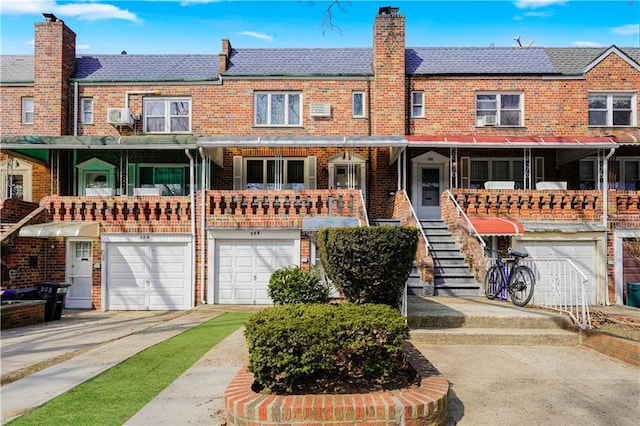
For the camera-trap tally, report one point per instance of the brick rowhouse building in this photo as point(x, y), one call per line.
point(167, 181)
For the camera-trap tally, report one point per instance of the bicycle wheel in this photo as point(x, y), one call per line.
point(493, 282)
point(521, 286)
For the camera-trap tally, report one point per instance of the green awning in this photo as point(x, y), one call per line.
point(99, 142)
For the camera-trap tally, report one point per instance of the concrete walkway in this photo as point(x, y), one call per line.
point(491, 384)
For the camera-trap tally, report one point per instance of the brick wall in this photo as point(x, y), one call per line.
point(551, 107)
point(388, 105)
point(22, 314)
point(55, 52)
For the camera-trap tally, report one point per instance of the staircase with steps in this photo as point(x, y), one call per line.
point(479, 321)
point(452, 276)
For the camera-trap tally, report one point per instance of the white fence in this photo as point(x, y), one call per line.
point(560, 286)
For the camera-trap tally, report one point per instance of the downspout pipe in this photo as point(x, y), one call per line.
point(75, 108)
point(605, 213)
point(203, 189)
point(192, 199)
point(605, 172)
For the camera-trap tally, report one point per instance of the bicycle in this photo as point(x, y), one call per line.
point(518, 280)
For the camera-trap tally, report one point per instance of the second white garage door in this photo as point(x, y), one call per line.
point(582, 254)
point(243, 267)
point(148, 276)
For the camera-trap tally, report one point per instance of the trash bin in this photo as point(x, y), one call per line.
point(54, 294)
point(633, 294)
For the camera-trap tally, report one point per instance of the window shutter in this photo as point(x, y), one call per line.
point(312, 162)
point(131, 178)
point(237, 172)
point(465, 172)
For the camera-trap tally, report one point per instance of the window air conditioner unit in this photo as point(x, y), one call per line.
point(120, 117)
point(320, 110)
point(487, 120)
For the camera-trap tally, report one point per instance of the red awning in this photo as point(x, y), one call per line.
point(514, 141)
point(497, 226)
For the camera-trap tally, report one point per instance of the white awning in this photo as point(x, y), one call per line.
point(61, 229)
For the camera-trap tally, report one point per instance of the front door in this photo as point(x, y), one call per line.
point(79, 274)
point(429, 191)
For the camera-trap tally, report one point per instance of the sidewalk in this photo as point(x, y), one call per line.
point(100, 340)
point(490, 384)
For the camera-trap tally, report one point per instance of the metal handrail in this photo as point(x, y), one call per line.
point(364, 208)
point(472, 229)
point(415, 217)
point(560, 286)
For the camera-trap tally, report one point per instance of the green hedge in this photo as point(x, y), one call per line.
point(369, 264)
point(295, 285)
point(291, 344)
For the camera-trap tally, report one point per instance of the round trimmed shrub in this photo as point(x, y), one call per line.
point(369, 264)
point(293, 284)
point(292, 344)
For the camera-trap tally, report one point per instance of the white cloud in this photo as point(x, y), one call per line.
point(535, 4)
point(83, 47)
point(190, 2)
point(81, 10)
point(627, 30)
point(95, 12)
point(255, 35)
point(586, 44)
point(538, 14)
point(25, 7)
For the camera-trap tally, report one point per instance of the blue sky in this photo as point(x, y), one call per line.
point(197, 26)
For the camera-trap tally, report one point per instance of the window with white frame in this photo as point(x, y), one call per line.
point(624, 174)
point(417, 104)
point(167, 115)
point(86, 110)
point(27, 110)
point(498, 169)
point(271, 173)
point(277, 108)
point(612, 109)
point(499, 109)
point(358, 109)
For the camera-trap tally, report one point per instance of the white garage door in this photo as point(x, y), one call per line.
point(148, 276)
point(553, 271)
point(243, 268)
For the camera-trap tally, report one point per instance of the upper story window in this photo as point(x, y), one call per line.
point(167, 115)
point(417, 104)
point(86, 110)
point(277, 108)
point(499, 109)
point(612, 109)
point(27, 110)
point(358, 104)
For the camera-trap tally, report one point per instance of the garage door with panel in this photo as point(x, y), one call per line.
point(554, 273)
point(149, 276)
point(243, 267)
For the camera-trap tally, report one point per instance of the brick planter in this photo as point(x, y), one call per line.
point(422, 405)
point(21, 313)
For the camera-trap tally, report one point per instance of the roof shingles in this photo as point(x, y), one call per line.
point(318, 62)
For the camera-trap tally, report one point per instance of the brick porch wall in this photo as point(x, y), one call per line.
point(422, 405)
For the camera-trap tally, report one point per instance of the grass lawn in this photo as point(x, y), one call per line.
point(114, 396)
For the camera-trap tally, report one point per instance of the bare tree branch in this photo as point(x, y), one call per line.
point(328, 16)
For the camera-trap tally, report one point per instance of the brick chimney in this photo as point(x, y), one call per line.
point(55, 58)
point(223, 58)
point(388, 118)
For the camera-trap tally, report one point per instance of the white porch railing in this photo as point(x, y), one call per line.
point(560, 286)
